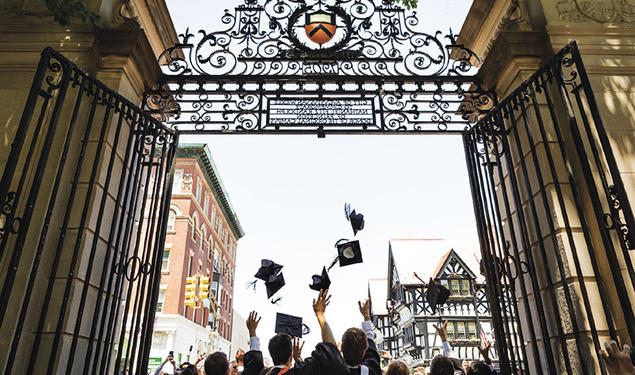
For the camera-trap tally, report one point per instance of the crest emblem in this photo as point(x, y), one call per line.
point(320, 26)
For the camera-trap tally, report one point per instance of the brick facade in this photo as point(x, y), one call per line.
point(199, 240)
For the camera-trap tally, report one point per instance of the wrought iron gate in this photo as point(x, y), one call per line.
point(525, 158)
point(86, 176)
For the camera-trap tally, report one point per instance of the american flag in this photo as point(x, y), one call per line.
point(484, 340)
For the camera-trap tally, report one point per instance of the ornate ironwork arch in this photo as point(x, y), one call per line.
point(307, 66)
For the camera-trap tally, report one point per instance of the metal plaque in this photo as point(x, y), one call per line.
point(320, 111)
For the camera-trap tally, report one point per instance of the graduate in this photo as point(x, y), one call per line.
point(285, 347)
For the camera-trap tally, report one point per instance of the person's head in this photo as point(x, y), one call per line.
point(479, 368)
point(280, 349)
point(397, 368)
point(188, 369)
point(216, 364)
point(441, 365)
point(233, 368)
point(354, 345)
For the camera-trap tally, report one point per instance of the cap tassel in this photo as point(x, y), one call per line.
point(333, 263)
point(252, 285)
point(275, 301)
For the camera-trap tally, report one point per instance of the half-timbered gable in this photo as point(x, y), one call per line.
point(411, 264)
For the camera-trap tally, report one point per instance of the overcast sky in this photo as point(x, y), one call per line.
point(289, 193)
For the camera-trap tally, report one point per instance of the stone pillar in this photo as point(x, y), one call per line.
point(121, 51)
point(516, 38)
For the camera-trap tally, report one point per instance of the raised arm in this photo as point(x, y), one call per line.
point(252, 325)
point(319, 306)
point(447, 349)
point(253, 361)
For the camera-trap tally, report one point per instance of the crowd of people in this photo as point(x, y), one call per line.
point(356, 354)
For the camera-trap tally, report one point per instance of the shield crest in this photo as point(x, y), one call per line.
point(320, 26)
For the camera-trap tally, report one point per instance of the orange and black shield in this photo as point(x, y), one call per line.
point(320, 27)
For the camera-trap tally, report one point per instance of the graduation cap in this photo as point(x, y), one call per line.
point(321, 282)
point(273, 284)
point(267, 269)
point(348, 252)
point(357, 220)
point(436, 294)
point(270, 273)
point(290, 325)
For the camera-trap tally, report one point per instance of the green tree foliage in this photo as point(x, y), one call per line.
point(408, 4)
point(66, 10)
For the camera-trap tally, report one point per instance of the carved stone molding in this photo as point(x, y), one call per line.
point(601, 11)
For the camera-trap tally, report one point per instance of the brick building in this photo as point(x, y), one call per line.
point(202, 233)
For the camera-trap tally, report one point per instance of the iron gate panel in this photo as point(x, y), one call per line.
point(525, 159)
point(224, 81)
point(85, 158)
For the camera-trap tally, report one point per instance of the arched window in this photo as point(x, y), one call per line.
point(202, 237)
point(171, 221)
point(195, 225)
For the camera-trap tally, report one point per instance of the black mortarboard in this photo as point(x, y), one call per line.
point(274, 284)
point(267, 269)
point(321, 282)
point(348, 252)
point(436, 294)
point(290, 325)
point(357, 220)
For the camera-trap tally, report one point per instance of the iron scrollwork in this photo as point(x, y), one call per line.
point(224, 81)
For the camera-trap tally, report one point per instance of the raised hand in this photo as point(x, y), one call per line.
point(252, 323)
point(240, 355)
point(297, 349)
point(319, 305)
point(485, 351)
point(364, 309)
point(441, 330)
point(617, 362)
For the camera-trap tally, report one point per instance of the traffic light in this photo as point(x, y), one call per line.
point(190, 292)
point(203, 288)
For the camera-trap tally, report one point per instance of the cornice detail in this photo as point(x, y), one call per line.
point(600, 11)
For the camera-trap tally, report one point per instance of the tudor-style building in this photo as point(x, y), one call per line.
point(411, 335)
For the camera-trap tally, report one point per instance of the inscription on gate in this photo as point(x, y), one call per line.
point(321, 111)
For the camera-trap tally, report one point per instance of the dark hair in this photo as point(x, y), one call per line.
point(216, 364)
point(187, 369)
point(479, 368)
point(441, 365)
point(397, 368)
point(280, 348)
point(354, 345)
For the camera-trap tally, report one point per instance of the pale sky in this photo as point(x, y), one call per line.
point(289, 192)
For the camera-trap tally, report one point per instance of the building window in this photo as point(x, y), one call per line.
point(171, 221)
point(454, 287)
point(450, 331)
point(460, 331)
point(206, 205)
point(203, 234)
point(178, 179)
point(471, 326)
point(165, 264)
point(199, 187)
point(213, 216)
point(465, 287)
point(160, 301)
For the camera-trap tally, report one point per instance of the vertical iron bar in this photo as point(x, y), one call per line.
point(479, 204)
point(167, 195)
point(551, 225)
point(585, 229)
point(97, 232)
point(514, 245)
point(609, 248)
point(49, 211)
point(506, 112)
